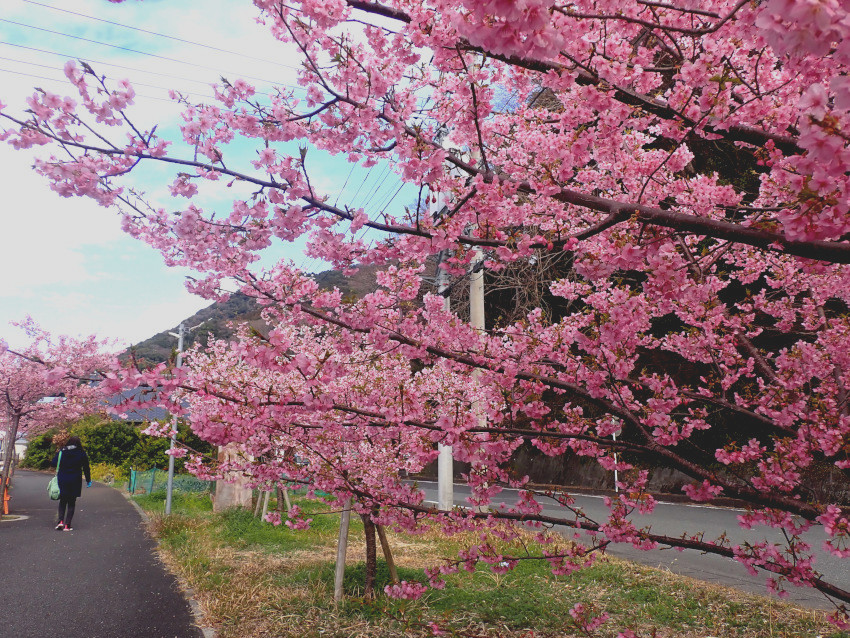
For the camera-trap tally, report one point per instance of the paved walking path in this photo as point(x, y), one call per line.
point(101, 580)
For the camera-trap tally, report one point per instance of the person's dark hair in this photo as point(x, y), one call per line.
point(75, 440)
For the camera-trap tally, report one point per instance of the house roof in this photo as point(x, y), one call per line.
point(135, 416)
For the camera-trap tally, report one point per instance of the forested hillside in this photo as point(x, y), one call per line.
point(218, 319)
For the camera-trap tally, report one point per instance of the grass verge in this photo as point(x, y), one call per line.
point(256, 580)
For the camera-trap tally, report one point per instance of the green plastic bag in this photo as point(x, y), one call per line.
point(53, 486)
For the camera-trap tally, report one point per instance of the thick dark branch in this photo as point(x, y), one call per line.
point(831, 251)
point(653, 25)
point(661, 5)
point(735, 132)
point(669, 541)
point(379, 9)
point(692, 469)
point(828, 251)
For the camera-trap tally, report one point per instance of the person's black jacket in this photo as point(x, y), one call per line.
point(74, 463)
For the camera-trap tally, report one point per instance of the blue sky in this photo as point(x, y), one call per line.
point(65, 262)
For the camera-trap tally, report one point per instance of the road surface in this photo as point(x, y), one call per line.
point(674, 519)
point(101, 580)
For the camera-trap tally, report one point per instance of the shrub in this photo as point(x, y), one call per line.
point(39, 452)
point(116, 445)
point(109, 442)
point(108, 473)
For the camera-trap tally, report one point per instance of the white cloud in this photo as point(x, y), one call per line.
point(44, 236)
point(66, 261)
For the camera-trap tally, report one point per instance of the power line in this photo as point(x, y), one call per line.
point(102, 62)
point(357, 192)
point(161, 35)
point(386, 203)
point(64, 81)
point(95, 61)
point(345, 183)
point(377, 187)
point(135, 84)
point(117, 46)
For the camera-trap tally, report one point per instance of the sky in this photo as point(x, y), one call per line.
point(65, 262)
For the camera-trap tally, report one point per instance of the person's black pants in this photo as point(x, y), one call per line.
point(66, 509)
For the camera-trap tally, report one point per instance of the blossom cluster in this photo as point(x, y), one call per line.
point(671, 182)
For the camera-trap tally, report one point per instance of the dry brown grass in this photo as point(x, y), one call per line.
point(249, 591)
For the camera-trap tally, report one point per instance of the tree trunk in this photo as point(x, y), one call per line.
point(371, 556)
point(388, 554)
point(8, 450)
point(283, 497)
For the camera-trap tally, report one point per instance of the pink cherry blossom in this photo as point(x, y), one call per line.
point(661, 200)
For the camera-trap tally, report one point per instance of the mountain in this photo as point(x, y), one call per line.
point(217, 318)
point(213, 320)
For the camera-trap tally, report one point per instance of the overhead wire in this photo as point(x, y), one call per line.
point(93, 61)
point(386, 203)
point(161, 35)
point(345, 183)
point(357, 192)
point(131, 50)
point(377, 187)
point(372, 191)
point(63, 81)
point(135, 84)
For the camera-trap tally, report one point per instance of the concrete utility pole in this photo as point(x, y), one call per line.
point(616, 460)
point(445, 460)
point(169, 491)
point(476, 318)
point(476, 291)
point(476, 296)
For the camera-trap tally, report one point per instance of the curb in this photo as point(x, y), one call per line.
point(188, 592)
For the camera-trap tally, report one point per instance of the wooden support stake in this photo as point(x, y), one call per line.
point(341, 549)
point(266, 505)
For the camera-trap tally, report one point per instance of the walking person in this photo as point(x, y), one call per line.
point(74, 462)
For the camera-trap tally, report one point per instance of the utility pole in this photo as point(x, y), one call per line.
point(476, 297)
point(169, 491)
point(476, 320)
point(476, 291)
point(445, 460)
point(616, 460)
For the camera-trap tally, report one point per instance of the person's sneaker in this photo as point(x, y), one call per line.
point(69, 529)
point(60, 525)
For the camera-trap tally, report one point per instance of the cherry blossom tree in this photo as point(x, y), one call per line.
point(688, 164)
point(50, 382)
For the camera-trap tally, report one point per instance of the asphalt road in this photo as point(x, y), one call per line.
point(674, 519)
point(101, 580)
